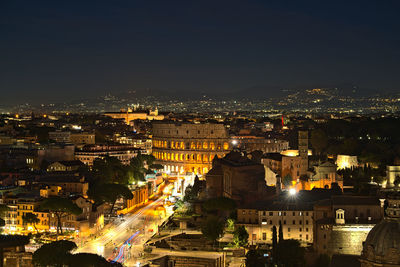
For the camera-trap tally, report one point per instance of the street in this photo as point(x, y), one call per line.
point(123, 240)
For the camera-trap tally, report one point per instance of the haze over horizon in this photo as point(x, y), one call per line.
point(69, 50)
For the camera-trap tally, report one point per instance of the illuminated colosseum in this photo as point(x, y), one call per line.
point(189, 147)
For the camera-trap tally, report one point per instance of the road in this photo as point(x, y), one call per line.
point(123, 240)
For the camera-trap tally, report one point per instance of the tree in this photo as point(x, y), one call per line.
point(212, 228)
point(60, 207)
point(109, 193)
point(196, 186)
point(319, 140)
point(274, 242)
point(254, 258)
point(58, 253)
point(90, 260)
point(290, 253)
point(240, 236)
point(137, 168)
point(31, 218)
point(220, 204)
point(3, 211)
point(322, 261)
point(280, 232)
point(111, 170)
point(230, 224)
point(53, 254)
point(142, 165)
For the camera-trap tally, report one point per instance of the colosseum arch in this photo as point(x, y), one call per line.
point(212, 146)
point(205, 145)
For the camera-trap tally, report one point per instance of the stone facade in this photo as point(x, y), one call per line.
point(189, 147)
point(342, 223)
point(296, 221)
point(238, 177)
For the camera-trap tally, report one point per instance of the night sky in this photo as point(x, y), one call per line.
point(56, 50)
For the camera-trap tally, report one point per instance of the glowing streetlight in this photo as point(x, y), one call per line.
point(292, 191)
point(234, 142)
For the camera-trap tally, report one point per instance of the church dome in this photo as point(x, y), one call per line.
point(382, 245)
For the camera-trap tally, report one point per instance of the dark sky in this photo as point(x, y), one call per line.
point(55, 50)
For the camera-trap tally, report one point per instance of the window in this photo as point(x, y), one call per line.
point(294, 222)
point(264, 236)
point(306, 237)
point(300, 236)
point(300, 222)
point(288, 229)
point(300, 229)
point(280, 213)
point(270, 222)
point(271, 213)
point(284, 213)
point(300, 213)
point(306, 229)
point(294, 213)
point(324, 236)
point(306, 221)
point(263, 213)
point(284, 221)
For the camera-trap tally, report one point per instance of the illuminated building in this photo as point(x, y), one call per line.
point(130, 115)
point(303, 152)
point(288, 164)
point(323, 176)
point(382, 245)
point(124, 153)
point(82, 138)
point(343, 222)
point(140, 196)
point(64, 166)
point(189, 147)
point(69, 184)
point(284, 166)
point(60, 136)
point(392, 173)
point(296, 220)
point(13, 252)
point(238, 177)
point(346, 161)
point(253, 143)
point(135, 141)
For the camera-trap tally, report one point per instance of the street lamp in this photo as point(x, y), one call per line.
point(292, 192)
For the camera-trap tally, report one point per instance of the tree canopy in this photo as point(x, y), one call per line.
point(290, 253)
point(240, 236)
point(219, 203)
point(109, 193)
point(30, 218)
point(58, 253)
point(213, 228)
point(319, 140)
point(53, 254)
point(254, 258)
point(60, 207)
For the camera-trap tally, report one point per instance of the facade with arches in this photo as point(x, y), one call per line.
point(189, 147)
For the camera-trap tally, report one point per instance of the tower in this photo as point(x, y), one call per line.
point(303, 152)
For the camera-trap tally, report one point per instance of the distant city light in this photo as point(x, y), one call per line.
point(234, 142)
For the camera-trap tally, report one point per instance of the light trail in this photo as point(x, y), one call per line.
point(121, 250)
point(118, 233)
